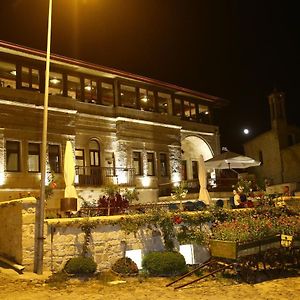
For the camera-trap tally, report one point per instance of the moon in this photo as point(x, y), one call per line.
point(246, 131)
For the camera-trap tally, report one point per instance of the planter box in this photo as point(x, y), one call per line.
point(235, 250)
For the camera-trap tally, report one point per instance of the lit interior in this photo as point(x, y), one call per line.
point(188, 253)
point(136, 256)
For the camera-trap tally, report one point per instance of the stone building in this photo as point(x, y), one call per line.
point(125, 129)
point(278, 149)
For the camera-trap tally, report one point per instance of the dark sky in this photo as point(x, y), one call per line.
point(238, 50)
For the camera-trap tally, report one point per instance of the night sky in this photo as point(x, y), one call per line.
point(237, 50)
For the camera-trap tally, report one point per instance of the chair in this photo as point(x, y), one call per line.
point(173, 206)
point(220, 203)
point(189, 206)
point(199, 205)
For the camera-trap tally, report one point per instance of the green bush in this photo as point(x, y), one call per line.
point(164, 263)
point(125, 266)
point(80, 265)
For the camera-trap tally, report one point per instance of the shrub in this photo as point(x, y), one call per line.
point(80, 265)
point(125, 266)
point(164, 263)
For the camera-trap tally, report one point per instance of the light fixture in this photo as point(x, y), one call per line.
point(206, 112)
point(144, 98)
point(88, 88)
point(13, 72)
point(54, 80)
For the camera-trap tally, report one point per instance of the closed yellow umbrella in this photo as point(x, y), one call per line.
point(202, 175)
point(70, 200)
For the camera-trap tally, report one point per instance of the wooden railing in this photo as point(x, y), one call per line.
point(100, 176)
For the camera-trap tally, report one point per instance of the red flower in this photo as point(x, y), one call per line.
point(177, 220)
point(53, 185)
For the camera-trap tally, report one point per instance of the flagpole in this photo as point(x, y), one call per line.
point(40, 206)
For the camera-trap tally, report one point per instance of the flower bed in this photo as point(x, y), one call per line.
point(250, 234)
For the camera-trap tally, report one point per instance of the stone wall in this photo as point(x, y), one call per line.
point(64, 238)
point(17, 230)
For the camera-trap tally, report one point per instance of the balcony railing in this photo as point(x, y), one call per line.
point(100, 176)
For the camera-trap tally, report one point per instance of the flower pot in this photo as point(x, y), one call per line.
point(235, 250)
point(68, 204)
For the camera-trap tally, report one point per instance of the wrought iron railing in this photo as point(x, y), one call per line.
point(100, 176)
point(192, 186)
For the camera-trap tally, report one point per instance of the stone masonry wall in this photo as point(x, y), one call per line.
point(64, 238)
point(17, 230)
point(65, 241)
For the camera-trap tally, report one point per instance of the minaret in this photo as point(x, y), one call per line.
point(278, 116)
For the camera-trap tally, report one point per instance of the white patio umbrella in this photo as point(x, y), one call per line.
point(229, 160)
point(69, 172)
point(202, 175)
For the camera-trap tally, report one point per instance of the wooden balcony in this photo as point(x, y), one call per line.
point(102, 176)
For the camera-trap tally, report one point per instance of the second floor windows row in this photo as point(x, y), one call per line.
point(102, 91)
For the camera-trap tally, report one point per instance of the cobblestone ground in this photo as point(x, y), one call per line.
point(32, 286)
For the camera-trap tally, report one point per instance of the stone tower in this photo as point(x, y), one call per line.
point(278, 117)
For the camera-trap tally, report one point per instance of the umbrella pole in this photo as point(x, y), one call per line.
point(233, 169)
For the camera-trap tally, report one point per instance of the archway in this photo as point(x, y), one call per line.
point(192, 147)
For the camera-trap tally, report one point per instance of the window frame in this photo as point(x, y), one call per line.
point(18, 152)
point(35, 153)
point(163, 165)
point(151, 155)
point(139, 160)
point(57, 168)
point(30, 81)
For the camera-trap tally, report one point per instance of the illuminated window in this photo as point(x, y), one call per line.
point(54, 158)
point(128, 96)
point(146, 100)
point(163, 165)
point(204, 115)
point(163, 101)
point(186, 109)
point(73, 87)
point(12, 156)
point(137, 162)
point(7, 75)
point(193, 112)
point(188, 253)
point(107, 94)
point(136, 256)
point(79, 153)
point(90, 90)
point(55, 83)
point(150, 164)
point(177, 108)
point(189, 109)
point(33, 157)
point(30, 78)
